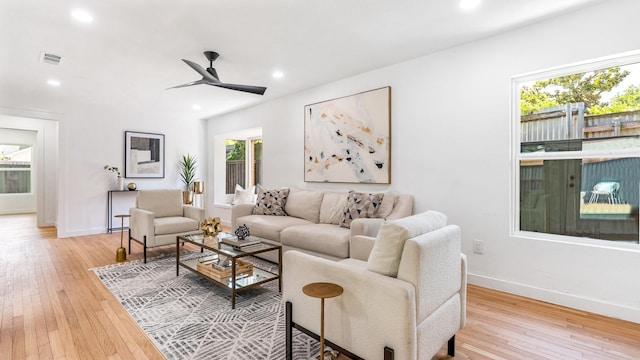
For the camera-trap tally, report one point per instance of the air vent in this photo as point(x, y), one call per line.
point(50, 58)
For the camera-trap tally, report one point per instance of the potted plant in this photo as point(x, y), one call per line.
point(188, 165)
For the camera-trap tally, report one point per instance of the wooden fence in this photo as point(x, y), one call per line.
point(15, 177)
point(236, 174)
point(570, 122)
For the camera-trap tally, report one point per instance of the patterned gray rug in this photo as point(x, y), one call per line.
point(188, 317)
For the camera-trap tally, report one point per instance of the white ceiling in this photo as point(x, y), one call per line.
point(131, 52)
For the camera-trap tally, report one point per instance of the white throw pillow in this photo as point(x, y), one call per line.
point(243, 196)
point(387, 250)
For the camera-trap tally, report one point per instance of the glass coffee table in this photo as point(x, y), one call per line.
point(226, 267)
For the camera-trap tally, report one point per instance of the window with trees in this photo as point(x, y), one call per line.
point(243, 163)
point(576, 150)
point(15, 169)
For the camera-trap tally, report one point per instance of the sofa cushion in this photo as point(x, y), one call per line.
point(174, 225)
point(322, 238)
point(242, 195)
point(388, 201)
point(269, 227)
point(160, 202)
point(333, 204)
point(304, 204)
point(271, 201)
point(360, 205)
point(387, 249)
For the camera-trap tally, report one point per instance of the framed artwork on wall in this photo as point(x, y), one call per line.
point(143, 155)
point(347, 140)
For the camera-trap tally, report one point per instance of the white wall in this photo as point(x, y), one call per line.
point(450, 124)
point(92, 137)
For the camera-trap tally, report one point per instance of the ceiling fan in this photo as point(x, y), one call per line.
point(210, 77)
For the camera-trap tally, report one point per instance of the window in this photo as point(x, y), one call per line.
point(577, 150)
point(15, 169)
point(243, 163)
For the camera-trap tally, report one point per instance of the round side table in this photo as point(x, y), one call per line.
point(121, 255)
point(323, 291)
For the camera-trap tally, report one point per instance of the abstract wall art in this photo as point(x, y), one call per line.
point(143, 155)
point(347, 140)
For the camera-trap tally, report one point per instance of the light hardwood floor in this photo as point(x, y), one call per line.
point(52, 306)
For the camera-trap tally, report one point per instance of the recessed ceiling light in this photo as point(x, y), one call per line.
point(53, 82)
point(278, 74)
point(196, 107)
point(469, 4)
point(82, 16)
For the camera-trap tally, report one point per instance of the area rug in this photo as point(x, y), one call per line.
point(189, 317)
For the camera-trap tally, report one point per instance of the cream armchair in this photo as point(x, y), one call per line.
point(159, 217)
point(403, 302)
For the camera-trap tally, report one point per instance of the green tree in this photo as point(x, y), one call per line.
point(237, 151)
point(628, 100)
point(533, 99)
point(586, 87)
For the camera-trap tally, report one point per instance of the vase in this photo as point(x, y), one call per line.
point(120, 183)
point(187, 197)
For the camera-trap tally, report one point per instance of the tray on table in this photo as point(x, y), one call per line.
point(209, 267)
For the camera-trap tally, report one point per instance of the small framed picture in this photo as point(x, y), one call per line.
point(143, 155)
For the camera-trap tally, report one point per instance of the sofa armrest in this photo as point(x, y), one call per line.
point(141, 224)
point(240, 210)
point(348, 317)
point(192, 212)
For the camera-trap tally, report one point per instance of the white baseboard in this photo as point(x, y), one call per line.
point(573, 301)
point(17, 211)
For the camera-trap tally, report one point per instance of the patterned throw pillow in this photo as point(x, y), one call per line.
point(360, 205)
point(271, 201)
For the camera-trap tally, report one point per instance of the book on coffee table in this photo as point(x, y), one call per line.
point(237, 244)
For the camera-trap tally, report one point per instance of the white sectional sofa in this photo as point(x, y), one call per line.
point(313, 221)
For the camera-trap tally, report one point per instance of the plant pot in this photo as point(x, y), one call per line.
point(120, 182)
point(198, 187)
point(187, 197)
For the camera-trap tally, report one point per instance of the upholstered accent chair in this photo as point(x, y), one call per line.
point(403, 300)
point(160, 216)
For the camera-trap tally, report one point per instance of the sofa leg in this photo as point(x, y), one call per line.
point(144, 244)
point(289, 330)
point(451, 346)
point(388, 353)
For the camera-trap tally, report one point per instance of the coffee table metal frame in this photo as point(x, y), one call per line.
point(242, 281)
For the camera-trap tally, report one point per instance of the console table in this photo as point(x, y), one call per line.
point(118, 194)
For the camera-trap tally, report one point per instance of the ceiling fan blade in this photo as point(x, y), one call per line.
point(199, 82)
point(246, 88)
point(205, 75)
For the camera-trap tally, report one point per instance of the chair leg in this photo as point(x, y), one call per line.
point(288, 330)
point(451, 346)
point(129, 241)
point(388, 353)
point(145, 249)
